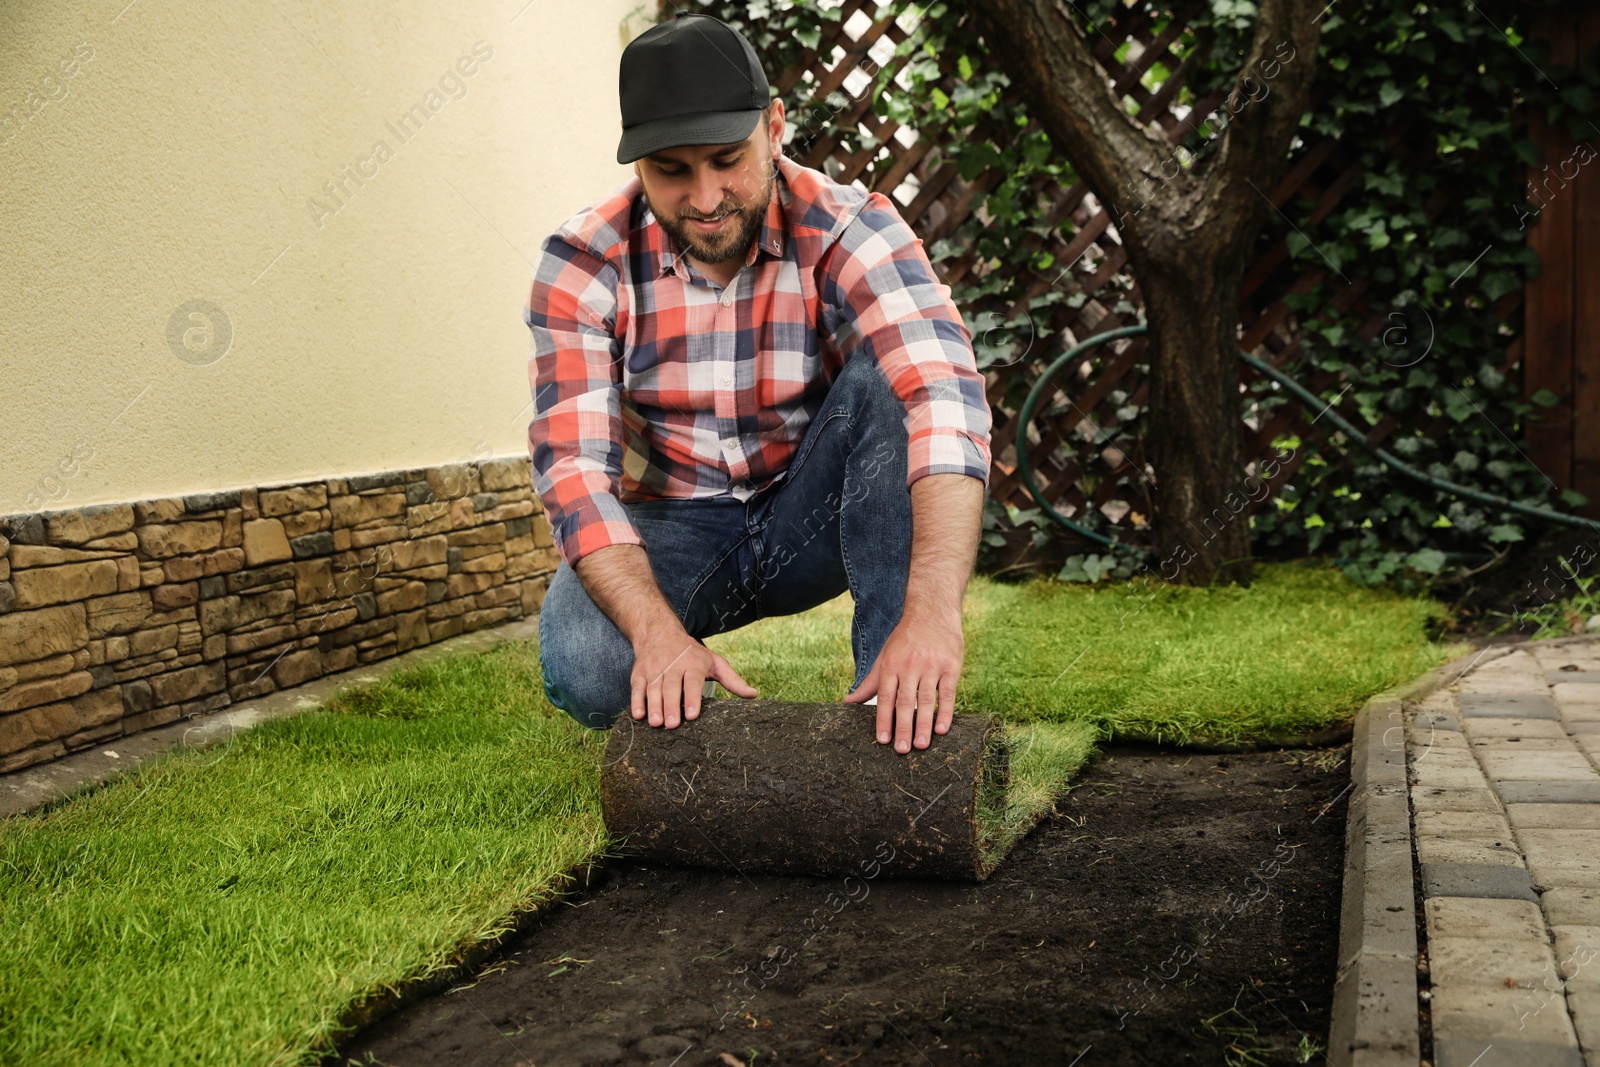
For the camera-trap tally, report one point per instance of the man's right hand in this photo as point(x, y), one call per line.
point(668, 674)
point(669, 666)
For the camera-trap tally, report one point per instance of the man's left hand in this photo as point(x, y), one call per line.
point(915, 681)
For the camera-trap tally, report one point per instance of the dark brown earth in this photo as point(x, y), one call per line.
point(1499, 601)
point(1179, 908)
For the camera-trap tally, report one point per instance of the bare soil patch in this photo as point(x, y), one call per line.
point(1540, 571)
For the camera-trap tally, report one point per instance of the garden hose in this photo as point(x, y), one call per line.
point(1300, 393)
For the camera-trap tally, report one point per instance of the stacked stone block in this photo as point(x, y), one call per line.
point(117, 618)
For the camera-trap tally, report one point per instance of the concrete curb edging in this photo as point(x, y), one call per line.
point(1374, 1020)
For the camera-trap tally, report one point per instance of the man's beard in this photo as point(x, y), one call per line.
point(729, 244)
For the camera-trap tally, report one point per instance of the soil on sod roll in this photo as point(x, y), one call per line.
point(1178, 908)
point(787, 788)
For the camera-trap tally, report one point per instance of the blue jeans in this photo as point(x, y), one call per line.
point(839, 518)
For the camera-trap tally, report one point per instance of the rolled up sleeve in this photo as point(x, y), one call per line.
point(884, 294)
point(575, 440)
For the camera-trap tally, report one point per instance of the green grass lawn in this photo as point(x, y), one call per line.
point(230, 905)
point(1292, 655)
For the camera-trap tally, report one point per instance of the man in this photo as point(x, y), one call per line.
point(750, 394)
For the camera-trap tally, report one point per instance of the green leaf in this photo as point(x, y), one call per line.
point(1545, 398)
point(1498, 283)
point(1072, 571)
point(1578, 97)
point(1573, 498)
point(1426, 560)
point(1389, 94)
point(1506, 532)
point(1389, 184)
point(1097, 567)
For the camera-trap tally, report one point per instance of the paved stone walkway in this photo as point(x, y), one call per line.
point(1505, 801)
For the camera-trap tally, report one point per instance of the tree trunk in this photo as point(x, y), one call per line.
point(1188, 229)
point(1193, 426)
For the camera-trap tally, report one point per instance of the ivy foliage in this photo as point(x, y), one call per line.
point(1430, 106)
point(1432, 103)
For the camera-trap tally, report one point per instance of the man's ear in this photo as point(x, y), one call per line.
point(775, 127)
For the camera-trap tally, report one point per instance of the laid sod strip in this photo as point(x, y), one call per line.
point(1288, 658)
point(228, 905)
point(802, 788)
point(1282, 661)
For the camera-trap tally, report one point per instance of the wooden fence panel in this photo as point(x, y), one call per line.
point(1562, 339)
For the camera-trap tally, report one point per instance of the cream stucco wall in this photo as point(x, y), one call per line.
point(158, 153)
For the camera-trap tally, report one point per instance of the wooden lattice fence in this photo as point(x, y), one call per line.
point(1105, 393)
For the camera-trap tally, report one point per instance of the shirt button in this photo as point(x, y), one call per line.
point(727, 377)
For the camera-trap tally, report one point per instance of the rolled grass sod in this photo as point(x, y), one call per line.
point(234, 904)
point(802, 788)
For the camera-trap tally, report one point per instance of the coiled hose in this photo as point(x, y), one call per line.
point(1295, 389)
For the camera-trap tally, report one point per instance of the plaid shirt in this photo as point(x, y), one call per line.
point(650, 381)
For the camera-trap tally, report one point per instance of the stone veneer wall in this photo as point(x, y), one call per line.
point(120, 617)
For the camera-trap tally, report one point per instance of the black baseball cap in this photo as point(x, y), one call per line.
point(694, 80)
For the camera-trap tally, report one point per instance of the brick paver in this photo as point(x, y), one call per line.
point(1504, 773)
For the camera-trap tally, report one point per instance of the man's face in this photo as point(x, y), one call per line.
point(712, 198)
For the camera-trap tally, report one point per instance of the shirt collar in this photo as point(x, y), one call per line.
point(669, 248)
point(769, 241)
